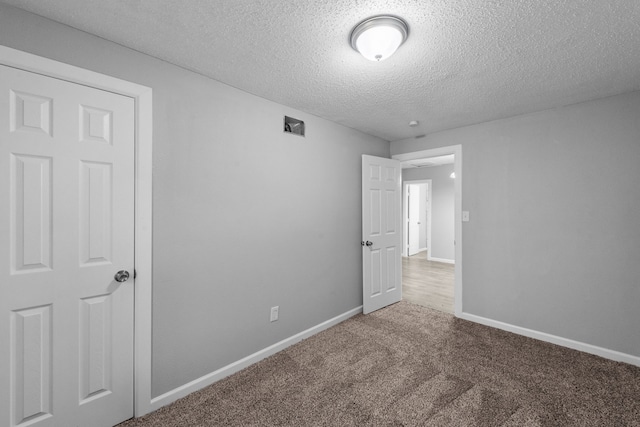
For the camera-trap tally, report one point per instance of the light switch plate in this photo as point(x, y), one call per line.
point(465, 216)
point(275, 311)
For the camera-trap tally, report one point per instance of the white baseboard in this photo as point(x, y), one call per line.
point(422, 249)
point(197, 384)
point(564, 342)
point(445, 260)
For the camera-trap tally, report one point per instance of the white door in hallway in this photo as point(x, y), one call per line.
point(381, 232)
point(414, 219)
point(66, 229)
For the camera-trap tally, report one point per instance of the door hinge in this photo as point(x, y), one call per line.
point(135, 273)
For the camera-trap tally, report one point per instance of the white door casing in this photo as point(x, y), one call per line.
point(67, 173)
point(414, 219)
point(456, 150)
point(381, 232)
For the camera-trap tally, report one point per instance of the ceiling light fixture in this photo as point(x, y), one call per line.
point(377, 38)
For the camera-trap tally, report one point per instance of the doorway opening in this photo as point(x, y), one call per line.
point(431, 252)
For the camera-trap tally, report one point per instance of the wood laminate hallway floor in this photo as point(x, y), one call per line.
point(427, 283)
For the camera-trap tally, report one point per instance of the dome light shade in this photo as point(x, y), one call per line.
point(379, 37)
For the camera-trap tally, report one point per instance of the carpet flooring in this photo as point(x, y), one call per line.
point(407, 365)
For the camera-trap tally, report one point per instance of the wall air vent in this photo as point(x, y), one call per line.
point(293, 126)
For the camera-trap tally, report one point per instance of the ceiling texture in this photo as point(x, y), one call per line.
point(465, 61)
point(428, 162)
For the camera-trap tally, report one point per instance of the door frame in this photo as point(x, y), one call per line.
point(456, 150)
point(143, 238)
point(405, 212)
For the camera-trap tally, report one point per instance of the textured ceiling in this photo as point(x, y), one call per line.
point(428, 162)
point(466, 61)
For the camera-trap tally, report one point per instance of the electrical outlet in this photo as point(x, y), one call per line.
point(274, 313)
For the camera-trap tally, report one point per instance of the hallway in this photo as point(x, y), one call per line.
point(427, 283)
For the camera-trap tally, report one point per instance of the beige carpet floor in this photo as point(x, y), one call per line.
point(407, 365)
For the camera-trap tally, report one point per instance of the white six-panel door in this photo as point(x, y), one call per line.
point(381, 232)
point(66, 227)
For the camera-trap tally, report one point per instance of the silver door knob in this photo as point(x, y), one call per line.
point(121, 276)
point(369, 243)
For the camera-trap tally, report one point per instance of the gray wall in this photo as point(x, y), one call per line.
point(245, 217)
point(442, 208)
point(554, 238)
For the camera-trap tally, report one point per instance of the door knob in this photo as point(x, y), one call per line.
point(369, 243)
point(121, 276)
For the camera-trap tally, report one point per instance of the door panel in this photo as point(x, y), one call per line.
point(66, 179)
point(95, 346)
point(381, 226)
point(30, 194)
point(31, 362)
point(95, 212)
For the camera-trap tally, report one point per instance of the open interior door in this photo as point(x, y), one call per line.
point(381, 232)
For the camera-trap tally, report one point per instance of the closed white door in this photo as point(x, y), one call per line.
point(66, 228)
point(381, 232)
point(414, 219)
